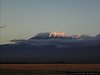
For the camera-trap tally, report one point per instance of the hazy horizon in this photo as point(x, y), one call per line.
point(22, 19)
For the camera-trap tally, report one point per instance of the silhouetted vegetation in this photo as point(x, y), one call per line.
point(25, 53)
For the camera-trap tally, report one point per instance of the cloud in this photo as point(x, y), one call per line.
point(1, 27)
point(4, 26)
point(98, 36)
point(17, 40)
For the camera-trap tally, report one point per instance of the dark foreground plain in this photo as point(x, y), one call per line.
point(49, 69)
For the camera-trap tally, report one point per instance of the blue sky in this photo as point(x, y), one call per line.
point(25, 18)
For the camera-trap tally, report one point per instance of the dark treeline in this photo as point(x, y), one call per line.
point(24, 53)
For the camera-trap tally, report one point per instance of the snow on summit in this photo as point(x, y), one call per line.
point(50, 34)
point(57, 34)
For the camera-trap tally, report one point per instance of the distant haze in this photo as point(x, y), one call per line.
point(26, 18)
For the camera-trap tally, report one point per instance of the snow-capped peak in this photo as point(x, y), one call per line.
point(50, 35)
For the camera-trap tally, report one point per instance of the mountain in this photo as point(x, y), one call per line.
point(48, 35)
point(53, 47)
point(60, 39)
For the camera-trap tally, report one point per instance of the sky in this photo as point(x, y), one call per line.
point(22, 19)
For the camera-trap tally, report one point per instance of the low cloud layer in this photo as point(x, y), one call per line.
point(17, 40)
